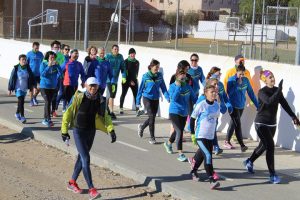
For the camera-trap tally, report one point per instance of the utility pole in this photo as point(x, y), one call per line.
point(262, 28)
point(21, 18)
point(75, 27)
point(252, 29)
point(130, 21)
point(42, 25)
point(86, 26)
point(177, 19)
point(297, 61)
point(275, 39)
point(120, 20)
point(14, 18)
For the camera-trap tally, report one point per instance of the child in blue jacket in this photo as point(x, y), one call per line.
point(237, 86)
point(180, 95)
point(21, 79)
point(152, 81)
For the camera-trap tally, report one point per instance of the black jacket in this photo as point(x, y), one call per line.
point(13, 78)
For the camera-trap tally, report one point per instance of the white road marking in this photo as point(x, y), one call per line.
point(132, 146)
point(31, 111)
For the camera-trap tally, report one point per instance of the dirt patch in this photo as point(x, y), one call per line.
point(31, 170)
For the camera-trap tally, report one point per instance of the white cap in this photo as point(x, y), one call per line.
point(92, 81)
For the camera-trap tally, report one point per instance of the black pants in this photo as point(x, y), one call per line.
point(204, 153)
point(235, 125)
point(266, 134)
point(20, 108)
point(47, 94)
point(53, 102)
point(125, 87)
point(178, 123)
point(69, 91)
point(151, 107)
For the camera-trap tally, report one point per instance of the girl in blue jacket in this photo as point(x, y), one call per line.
point(180, 95)
point(237, 86)
point(49, 71)
point(152, 81)
point(21, 79)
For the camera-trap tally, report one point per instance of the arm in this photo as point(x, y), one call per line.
point(286, 106)
point(122, 67)
point(81, 72)
point(251, 93)
point(68, 116)
point(140, 92)
point(269, 100)
point(193, 95)
point(11, 81)
point(196, 113)
point(202, 78)
point(164, 89)
point(44, 70)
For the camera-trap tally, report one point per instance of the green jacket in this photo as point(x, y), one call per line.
point(102, 123)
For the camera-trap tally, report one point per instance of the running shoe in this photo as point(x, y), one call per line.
point(46, 122)
point(244, 148)
point(228, 145)
point(121, 111)
point(18, 116)
point(51, 123)
point(140, 131)
point(249, 166)
point(31, 103)
point(195, 176)
point(216, 176)
point(54, 114)
point(140, 112)
point(35, 101)
point(72, 186)
point(168, 148)
point(23, 120)
point(113, 116)
point(181, 157)
point(213, 183)
point(94, 194)
point(152, 141)
point(63, 110)
point(192, 162)
point(275, 179)
point(218, 150)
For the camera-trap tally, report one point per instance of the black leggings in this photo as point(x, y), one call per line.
point(266, 134)
point(125, 87)
point(53, 102)
point(178, 123)
point(69, 91)
point(47, 94)
point(151, 107)
point(235, 125)
point(204, 153)
point(20, 108)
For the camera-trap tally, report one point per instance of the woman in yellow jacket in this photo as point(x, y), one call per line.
point(83, 109)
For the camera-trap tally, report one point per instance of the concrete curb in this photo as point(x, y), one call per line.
point(101, 161)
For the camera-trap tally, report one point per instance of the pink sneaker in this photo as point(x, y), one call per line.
point(228, 145)
point(192, 162)
point(216, 176)
point(93, 193)
point(72, 186)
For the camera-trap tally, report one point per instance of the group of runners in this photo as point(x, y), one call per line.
point(196, 102)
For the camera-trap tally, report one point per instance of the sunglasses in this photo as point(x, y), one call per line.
point(196, 60)
point(67, 49)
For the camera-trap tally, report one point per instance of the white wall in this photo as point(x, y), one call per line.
point(10, 50)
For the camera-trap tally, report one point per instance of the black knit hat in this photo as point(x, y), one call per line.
point(131, 50)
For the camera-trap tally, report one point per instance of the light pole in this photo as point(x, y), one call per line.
point(86, 26)
point(262, 28)
point(177, 19)
point(14, 18)
point(75, 28)
point(42, 22)
point(297, 60)
point(120, 18)
point(252, 29)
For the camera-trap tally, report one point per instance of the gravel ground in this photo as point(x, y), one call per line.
point(32, 170)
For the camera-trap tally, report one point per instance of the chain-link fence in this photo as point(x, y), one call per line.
point(212, 31)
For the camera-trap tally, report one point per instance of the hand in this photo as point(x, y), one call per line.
point(177, 83)
point(296, 121)
point(9, 93)
point(280, 84)
point(193, 138)
point(132, 83)
point(123, 80)
point(230, 109)
point(65, 136)
point(113, 136)
point(82, 85)
point(113, 88)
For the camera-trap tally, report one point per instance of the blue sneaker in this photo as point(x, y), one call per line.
point(46, 122)
point(249, 166)
point(181, 157)
point(35, 101)
point(18, 116)
point(168, 147)
point(218, 150)
point(31, 103)
point(23, 120)
point(275, 179)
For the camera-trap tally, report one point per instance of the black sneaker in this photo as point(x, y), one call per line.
point(140, 131)
point(113, 116)
point(195, 176)
point(213, 183)
point(152, 141)
point(244, 148)
point(121, 111)
point(139, 113)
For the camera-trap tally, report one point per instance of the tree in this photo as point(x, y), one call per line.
point(191, 18)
